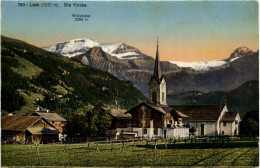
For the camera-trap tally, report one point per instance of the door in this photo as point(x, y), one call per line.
point(202, 129)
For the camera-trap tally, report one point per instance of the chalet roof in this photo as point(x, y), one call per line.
point(200, 112)
point(111, 132)
point(151, 105)
point(18, 123)
point(41, 130)
point(178, 113)
point(49, 115)
point(119, 113)
point(155, 106)
point(229, 116)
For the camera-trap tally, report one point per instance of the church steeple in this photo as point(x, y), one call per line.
point(157, 83)
point(157, 68)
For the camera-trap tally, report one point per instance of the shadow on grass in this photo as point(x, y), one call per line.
point(204, 145)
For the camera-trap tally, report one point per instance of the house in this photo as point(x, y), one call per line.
point(28, 129)
point(56, 120)
point(121, 123)
point(155, 118)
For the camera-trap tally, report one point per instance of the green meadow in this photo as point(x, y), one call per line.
point(236, 153)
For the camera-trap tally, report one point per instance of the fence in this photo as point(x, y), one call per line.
point(155, 144)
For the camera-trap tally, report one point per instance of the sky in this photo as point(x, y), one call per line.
point(188, 30)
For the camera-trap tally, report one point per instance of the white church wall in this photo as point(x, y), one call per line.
point(210, 128)
point(226, 128)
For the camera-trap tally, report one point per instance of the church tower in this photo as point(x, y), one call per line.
point(157, 83)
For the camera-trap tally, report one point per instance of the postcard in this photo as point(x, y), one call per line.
point(129, 83)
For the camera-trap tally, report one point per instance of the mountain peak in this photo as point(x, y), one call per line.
point(240, 51)
point(96, 52)
point(76, 47)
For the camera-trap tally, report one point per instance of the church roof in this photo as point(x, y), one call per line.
point(229, 116)
point(200, 112)
point(157, 68)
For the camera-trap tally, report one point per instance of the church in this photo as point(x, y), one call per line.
point(157, 119)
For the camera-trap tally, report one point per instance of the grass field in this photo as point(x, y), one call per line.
point(245, 153)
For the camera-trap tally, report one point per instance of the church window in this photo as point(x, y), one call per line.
point(224, 124)
point(154, 98)
point(236, 122)
point(163, 96)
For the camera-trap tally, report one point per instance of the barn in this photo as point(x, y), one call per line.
point(28, 129)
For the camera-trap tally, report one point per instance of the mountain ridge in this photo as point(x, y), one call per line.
point(32, 76)
point(139, 70)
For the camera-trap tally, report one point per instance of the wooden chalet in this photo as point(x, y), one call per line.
point(56, 120)
point(28, 129)
point(121, 123)
point(120, 119)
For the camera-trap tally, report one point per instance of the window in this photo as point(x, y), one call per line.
point(222, 132)
point(170, 121)
point(224, 124)
point(145, 131)
point(236, 122)
point(155, 131)
point(154, 97)
point(144, 113)
point(143, 121)
point(163, 96)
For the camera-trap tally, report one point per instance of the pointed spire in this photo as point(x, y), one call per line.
point(157, 68)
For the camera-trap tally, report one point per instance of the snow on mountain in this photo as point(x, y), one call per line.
point(207, 65)
point(204, 65)
point(80, 46)
point(199, 66)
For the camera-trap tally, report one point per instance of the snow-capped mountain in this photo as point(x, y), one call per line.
point(130, 64)
point(76, 47)
point(207, 65)
point(203, 65)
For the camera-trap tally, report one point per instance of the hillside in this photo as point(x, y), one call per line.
point(32, 76)
point(242, 99)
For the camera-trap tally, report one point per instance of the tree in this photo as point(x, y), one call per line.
point(99, 121)
point(193, 130)
point(89, 121)
point(250, 124)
